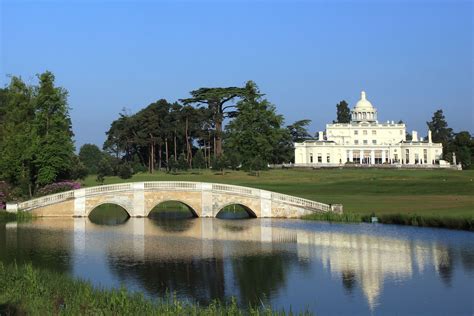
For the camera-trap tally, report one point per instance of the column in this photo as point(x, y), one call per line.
point(351, 155)
point(383, 156)
point(361, 155)
point(372, 157)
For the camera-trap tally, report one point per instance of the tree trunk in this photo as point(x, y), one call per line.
point(175, 149)
point(218, 138)
point(159, 156)
point(166, 153)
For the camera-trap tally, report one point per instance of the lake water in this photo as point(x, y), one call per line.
point(321, 267)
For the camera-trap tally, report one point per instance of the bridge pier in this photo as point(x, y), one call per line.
point(80, 203)
point(138, 199)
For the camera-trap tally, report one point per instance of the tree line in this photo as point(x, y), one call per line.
point(218, 128)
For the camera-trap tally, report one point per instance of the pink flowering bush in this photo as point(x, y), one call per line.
point(58, 187)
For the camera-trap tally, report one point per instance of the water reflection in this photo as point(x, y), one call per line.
point(278, 262)
point(109, 214)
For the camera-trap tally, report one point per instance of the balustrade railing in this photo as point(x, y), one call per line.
point(175, 185)
point(108, 188)
point(46, 200)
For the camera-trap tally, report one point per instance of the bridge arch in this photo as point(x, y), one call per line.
point(251, 213)
point(94, 206)
point(192, 211)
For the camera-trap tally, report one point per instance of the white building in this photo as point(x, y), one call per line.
point(366, 141)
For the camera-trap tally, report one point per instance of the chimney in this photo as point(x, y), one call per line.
point(414, 136)
point(429, 137)
point(320, 136)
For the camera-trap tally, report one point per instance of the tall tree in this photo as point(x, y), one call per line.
point(256, 130)
point(18, 140)
point(441, 133)
point(462, 145)
point(53, 126)
point(343, 112)
point(299, 131)
point(90, 155)
point(216, 100)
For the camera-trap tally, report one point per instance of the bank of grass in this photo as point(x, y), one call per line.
point(429, 194)
point(459, 223)
point(25, 290)
point(11, 217)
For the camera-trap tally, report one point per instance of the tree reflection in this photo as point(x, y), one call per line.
point(46, 251)
point(109, 215)
point(349, 280)
point(200, 280)
point(259, 276)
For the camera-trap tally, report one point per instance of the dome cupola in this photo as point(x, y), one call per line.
point(364, 110)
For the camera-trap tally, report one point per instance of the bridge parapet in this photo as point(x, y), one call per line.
point(212, 197)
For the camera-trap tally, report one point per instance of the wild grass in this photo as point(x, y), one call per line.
point(26, 290)
point(333, 217)
point(19, 216)
point(459, 223)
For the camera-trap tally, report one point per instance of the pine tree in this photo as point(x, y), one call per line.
point(343, 112)
point(53, 127)
point(441, 133)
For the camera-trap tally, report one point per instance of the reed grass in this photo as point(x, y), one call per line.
point(11, 217)
point(25, 290)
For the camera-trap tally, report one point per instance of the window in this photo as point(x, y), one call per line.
point(320, 158)
point(365, 141)
point(407, 156)
point(356, 142)
point(425, 155)
point(328, 159)
point(374, 141)
point(365, 132)
point(311, 158)
point(356, 132)
point(374, 132)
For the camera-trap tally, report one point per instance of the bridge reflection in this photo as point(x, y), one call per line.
point(195, 257)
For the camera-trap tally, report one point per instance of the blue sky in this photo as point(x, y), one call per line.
point(411, 57)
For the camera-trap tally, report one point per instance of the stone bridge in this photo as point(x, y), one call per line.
point(204, 199)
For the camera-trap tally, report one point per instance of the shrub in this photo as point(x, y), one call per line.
point(58, 187)
point(125, 171)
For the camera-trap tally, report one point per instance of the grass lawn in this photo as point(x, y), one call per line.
point(446, 193)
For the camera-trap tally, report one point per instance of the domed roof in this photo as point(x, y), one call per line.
point(364, 104)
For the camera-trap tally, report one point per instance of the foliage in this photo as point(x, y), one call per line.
point(343, 112)
point(58, 187)
point(19, 216)
point(125, 171)
point(333, 217)
point(27, 290)
point(298, 131)
point(36, 137)
point(256, 131)
point(198, 160)
point(90, 155)
point(463, 146)
point(215, 100)
point(104, 169)
point(441, 133)
point(463, 223)
point(182, 163)
point(78, 170)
